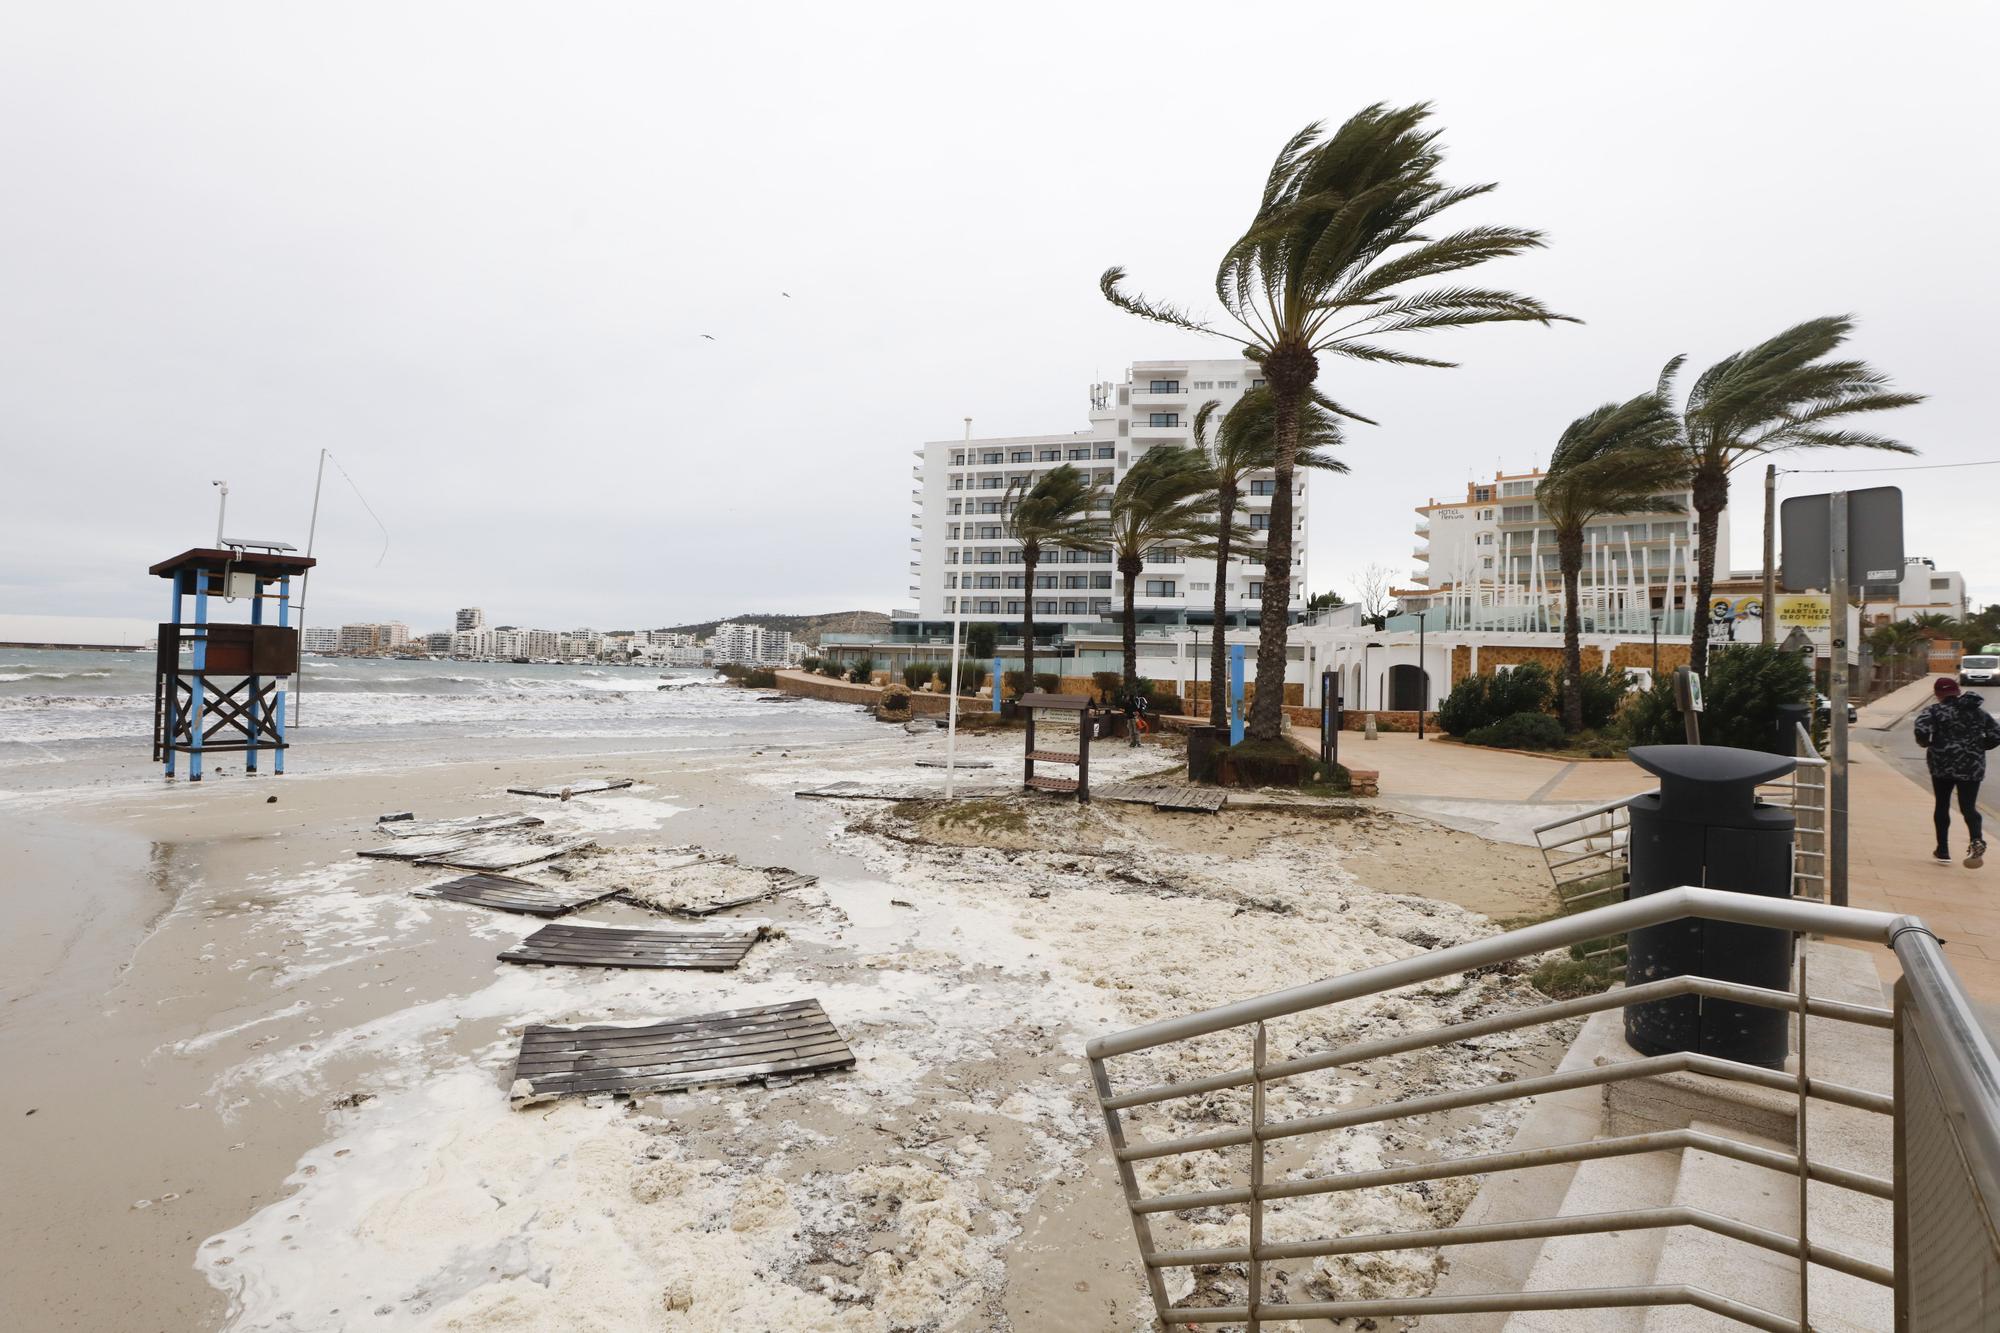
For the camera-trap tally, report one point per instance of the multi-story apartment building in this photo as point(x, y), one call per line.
point(749, 645)
point(360, 640)
point(438, 642)
point(1924, 590)
point(1497, 537)
point(962, 563)
point(470, 618)
point(320, 639)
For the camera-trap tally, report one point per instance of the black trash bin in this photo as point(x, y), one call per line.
point(1705, 827)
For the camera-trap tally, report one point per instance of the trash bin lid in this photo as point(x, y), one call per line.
point(1709, 783)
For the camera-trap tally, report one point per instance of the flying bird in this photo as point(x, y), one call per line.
point(709, 336)
point(786, 295)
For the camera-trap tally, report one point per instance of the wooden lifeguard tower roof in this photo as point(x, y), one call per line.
point(264, 564)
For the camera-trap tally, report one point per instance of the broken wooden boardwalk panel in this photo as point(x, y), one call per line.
point(961, 763)
point(716, 884)
point(1165, 795)
point(563, 790)
point(612, 946)
point(444, 828)
point(504, 893)
point(500, 853)
point(415, 849)
point(859, 791)
point(700, 1050)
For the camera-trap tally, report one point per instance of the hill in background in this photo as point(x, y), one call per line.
point(806, 628)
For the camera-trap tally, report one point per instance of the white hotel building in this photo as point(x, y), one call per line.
point(962, 563)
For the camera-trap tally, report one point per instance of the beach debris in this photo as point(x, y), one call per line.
point(491, 853)
point(1164, 795)
point(270, 800)
point(562, 791)
point(415, 849)
point(344, 1102)
point(733, 1046)
point(505, 893)
point(961, 763)
point(435, 828)
point(612, 946)
point(704, 885)
point(863, 791)
point(396, 817)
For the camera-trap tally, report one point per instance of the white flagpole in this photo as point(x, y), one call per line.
point(951, 704)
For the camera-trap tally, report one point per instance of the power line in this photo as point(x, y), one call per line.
point(1910, 467)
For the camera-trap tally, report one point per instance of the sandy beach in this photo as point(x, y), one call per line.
point(257, 1084)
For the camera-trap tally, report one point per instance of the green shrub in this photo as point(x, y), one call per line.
point(1109, 685)
point(1159, 699)
point(1012, 681)
point(1603, 692)
point(1048, 682)
point(971, 675)
point(980, 638)
point(918, 674)
point(864, 671)
point(833, 668)
point(1467, 707)
point(809, 664)
point(1520, 731)
point(1746, 683)
point(1528, 688)
point(763, 678)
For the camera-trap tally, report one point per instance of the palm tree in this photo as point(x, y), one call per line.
point(1163, 498)
point(1779, 395)
point(1323, 270)
point(1615, 460)
point(1055, 510)
point(1246, 444)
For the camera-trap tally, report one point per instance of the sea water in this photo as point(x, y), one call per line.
point(72, 704)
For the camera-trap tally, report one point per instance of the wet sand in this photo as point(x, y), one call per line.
point(255, 1084)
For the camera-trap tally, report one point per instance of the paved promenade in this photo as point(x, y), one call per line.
point(1501, 794)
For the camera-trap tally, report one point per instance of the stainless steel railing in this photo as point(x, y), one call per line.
point(1945, 1069)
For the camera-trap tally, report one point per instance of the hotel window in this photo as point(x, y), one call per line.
point(951, 604)
point(1045, 580)
point(989, 483)
point(1263, 488)
point(1518, 488)
point(1256, 590)
point(989, 606)
point(1045, 608)
point(1517, 514)
point(1486, 516)
point(1079, 453)
point(1159, 588)
point(958, 460)
point(1014, 608)
point(1163, 419)
point(1014, 581)
point(958, 483)
point(1100, 581)
point(992, 456)
point(1104, 451)
point(951, 580)
point(1482, 493)
point(1075, 609)
point(1076, 581)
point(1198, 587)
point(1225, 384)
point(955, 505)
point(1051, 456)
point(1256, 384)
point(989, 580)
point(1023, 456)
point(1260, 522)
point(1100, 608)
point(1164, 386)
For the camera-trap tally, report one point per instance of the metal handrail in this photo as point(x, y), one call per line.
point(1972, 1074)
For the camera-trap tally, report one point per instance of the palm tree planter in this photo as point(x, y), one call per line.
point(1779, 395)
point(1056, 510)
point(1615, 460)
point(1323, 270)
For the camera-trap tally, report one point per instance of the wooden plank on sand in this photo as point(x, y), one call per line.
point(699, 1050)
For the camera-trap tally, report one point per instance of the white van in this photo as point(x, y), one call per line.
point(1979, 669)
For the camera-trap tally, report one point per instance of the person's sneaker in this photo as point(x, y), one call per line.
point(1941, 856)
point(1975, 855)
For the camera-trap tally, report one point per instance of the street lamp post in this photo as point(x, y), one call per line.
point(1656, 645)
point(1423, 670)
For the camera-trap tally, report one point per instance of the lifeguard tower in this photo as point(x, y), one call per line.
point(220, 685)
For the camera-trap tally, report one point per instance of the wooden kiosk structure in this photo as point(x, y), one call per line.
point(1065, 716)
point(219, 685)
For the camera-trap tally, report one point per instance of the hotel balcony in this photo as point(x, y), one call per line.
point(1148, 394)
point(1423, 553)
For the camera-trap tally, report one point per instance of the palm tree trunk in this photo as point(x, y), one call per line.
point(1218, 700)
point(1129, 566)
point(1569, 554)
point(1711, 494)
point(1290, 372)
point(1031, 555)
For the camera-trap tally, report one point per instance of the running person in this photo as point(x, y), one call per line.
point(1956, 731)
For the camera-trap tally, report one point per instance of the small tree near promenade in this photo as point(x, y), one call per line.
point(1162, 500)
point(1325, 268)
point(1782, 394)
point(1615, 460)
point(1055, 511)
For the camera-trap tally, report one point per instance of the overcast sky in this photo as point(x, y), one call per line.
point(471, 249)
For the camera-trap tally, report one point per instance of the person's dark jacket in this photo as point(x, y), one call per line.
point(1956, 734)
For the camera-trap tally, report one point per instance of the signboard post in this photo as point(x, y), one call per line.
point(1687, 695)
point(1329, 720)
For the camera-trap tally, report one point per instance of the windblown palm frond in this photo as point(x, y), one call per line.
point(1332, 264)
point(1775, 397)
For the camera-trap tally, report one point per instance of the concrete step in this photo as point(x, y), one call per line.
point(1605, 1259)
point(1757, 1276)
